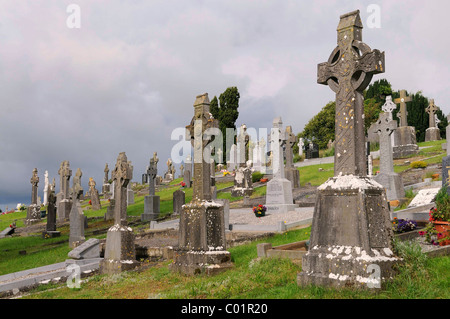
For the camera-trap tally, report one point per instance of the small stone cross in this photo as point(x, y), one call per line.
point(389, 106)
point(384, 126)
point(403, 114)
point(431, 110)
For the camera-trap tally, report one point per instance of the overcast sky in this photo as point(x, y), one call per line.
point(129, 75)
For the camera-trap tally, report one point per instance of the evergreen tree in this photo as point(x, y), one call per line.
point(225, 109)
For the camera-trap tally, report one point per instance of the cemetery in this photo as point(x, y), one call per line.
point(285, 216)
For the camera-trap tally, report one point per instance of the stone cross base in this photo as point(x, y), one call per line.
point(293, 175)
point(151, 208)
point(279, 196)
point(240, 191)
point(393, 184)
point(33, 214)
point(192, 262)
point(404, 142)
point(120, 252)
point(432, 134)
point(346, 266)
point(51, 234)
point(63, 210)
point(351, 235)
point(109, 215)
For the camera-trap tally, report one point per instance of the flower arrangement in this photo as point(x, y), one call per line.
point(183, 184)
point(90, 202)
point(259, 210)
point(403, 225)
point(225, 173)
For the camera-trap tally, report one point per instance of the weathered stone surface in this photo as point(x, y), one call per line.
point(202, 242)
point(290, 171)
point(34, 210)
point(93, 193)
point(151, 201)
point(120, 253)
point(179, 199)
point(351, 232)
point(446, 173)
point(88, 249)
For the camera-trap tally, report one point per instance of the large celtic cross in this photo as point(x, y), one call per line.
point(348, 72)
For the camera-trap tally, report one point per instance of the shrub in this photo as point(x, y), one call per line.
point(256, 176)
point(418, 164)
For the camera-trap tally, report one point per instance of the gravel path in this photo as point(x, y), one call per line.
point(245, 216)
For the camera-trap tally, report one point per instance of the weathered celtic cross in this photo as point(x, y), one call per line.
point(403, 114)
point(384, 126)
point(201, 122)
point(121, 175)
point(151, 172)
point(291, 139)
point(34, 189)
point(348, 72)
point(431, 110)
point(389, 106)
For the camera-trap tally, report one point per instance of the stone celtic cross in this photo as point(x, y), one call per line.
point(121, 175)
point(384, 126)
point(151, 172)
point(431, 110)
point(348, 72)
point(196, 132)
point(34, 187)
point(389, 106)
point(106, 171)
point(291, 139)
point(403, 114)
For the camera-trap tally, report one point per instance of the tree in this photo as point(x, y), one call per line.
point(225, 109)
point(320, 129)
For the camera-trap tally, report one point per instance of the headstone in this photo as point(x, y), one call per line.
point(168, 176)
point(77, 218)
point(243, 184)
point(50, 230)
point(446, 161)
point(45, 201)
point(87, 250)
point(424, 197)
point(390, 180)
point(243, 140)
point(404, 135)
point(181, 171)
point(151, 201)
point(279, 189)
point(388, 107)
point(8, 231)
point(130, 192)
point(120, 252)
point(432, 133)
point(179, 199)
point(34, 210)
point(64, 203)
point(290, 171)
point(109, 215)
point(351, 232)
point(312, 151)
point(232, 163)
point(77, 182)
point(106, 187)
point(95, 197)
point(300, 145)
point(202, 242)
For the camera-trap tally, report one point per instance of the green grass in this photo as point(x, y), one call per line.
point(311, 174)
point(268, 278)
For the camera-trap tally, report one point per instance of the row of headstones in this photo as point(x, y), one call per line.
point(403, 139)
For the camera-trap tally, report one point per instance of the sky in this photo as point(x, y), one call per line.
point(85, 80)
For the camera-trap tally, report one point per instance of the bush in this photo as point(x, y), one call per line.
point(418, 164)
point(256, 176)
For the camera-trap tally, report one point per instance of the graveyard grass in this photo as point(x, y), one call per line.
point(251, 277)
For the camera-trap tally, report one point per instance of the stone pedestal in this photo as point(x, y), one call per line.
point(279, 196)
point(151, 208)
point(243, 185)
point(202, 242)
point(404, 142)
point(293, 175)
point(393, 184)
point(109, 215)
point(350, 244)
point(120, 252)
point(77, 225)
point(432, 134)
point(33, 214)
point(63, 210)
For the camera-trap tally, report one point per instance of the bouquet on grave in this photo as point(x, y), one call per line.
point(259, 210)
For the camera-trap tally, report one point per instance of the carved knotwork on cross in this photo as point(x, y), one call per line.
point(197, 134)
point(348, 72)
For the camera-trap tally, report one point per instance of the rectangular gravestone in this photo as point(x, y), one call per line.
point(179, 199)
